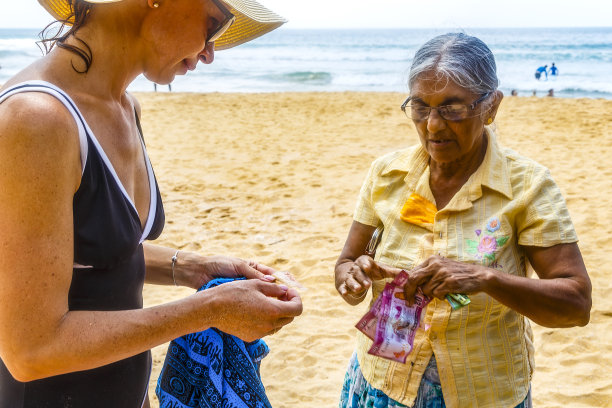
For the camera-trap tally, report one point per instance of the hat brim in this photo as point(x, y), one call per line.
point(252, 19)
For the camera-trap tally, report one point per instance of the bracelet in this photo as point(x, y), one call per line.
point(174, 258)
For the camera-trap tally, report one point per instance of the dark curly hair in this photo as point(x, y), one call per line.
point(51, 37)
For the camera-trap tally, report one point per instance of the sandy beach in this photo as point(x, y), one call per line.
point(274, 177)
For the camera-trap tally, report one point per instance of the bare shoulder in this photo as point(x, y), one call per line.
point(38, 128)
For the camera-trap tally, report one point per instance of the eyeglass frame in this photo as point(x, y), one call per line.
point(471, 106)
point(224, 25)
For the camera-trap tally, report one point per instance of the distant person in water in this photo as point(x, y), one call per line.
point(554, 71)
point(540, 71)
point(551, 92)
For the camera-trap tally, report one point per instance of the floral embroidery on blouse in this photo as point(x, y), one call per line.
point(487, 243)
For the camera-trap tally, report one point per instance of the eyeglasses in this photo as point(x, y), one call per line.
point(224, 25)
point(453, 113)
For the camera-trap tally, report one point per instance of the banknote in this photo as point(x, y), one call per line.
point(367, 324)
point(397, 324)
point(457, 300)
point(390, 323)
point(288, 279)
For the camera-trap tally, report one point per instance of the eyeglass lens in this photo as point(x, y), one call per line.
point(448, 112)
point(223, 25)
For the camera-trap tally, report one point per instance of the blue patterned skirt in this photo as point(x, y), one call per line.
point(358, 393)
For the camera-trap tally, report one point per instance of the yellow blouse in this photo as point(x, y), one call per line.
point(484, 351)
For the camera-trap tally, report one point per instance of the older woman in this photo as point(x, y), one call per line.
point(463, 215)
point(79, 197)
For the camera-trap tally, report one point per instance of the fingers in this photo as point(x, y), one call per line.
point(387, 271)
point(290, 305)
point(375, 270)
point(272, 290)
point(434, 289)
point(356, 281)
point(286, 300)
point(367, 267)
point(418, 276)
point(253, 270)
point(261, 268)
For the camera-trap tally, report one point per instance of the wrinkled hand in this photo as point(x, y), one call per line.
point(252, 309)
point(353, 279)
point(438, 276)
point(212, 267)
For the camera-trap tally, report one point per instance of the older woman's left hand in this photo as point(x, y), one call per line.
point(439, 276)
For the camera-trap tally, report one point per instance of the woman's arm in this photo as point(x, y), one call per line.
point(560, 298)
point(194, 270)
point(354, 270)
point(562, 295)
point(39, 336)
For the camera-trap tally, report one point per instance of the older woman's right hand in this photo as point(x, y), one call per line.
point(251, 309)
point(353, 279)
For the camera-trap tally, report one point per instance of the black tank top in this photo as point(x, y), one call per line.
point(108, 274)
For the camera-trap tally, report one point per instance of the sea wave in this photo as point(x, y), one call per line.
point(373, 60)
point(302, 77)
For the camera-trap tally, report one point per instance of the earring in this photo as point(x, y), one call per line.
point(489, 121)
point(155, 5)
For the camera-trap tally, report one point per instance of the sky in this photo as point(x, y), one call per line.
point(393, 13)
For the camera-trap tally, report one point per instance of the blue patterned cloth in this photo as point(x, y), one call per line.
point(358, 393)
point(212, 369)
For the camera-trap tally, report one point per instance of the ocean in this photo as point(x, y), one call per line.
point(373, 60)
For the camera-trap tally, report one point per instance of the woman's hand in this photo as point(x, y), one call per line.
point(561, 297)
point(212, 267)
point(194, 270)
point(355, 271)
point(353, 279)
point(252, 309)
point(439, 276)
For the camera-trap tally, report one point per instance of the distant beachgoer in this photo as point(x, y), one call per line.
point(513, 92)
point(541, 70)
point(554, 71)
point(551, 92)
point(169, 87)
point(533, 93)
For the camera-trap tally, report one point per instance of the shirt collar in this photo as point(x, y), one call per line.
point(492, 172)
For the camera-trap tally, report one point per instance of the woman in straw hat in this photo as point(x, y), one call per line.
point(463, 215)
point(79, 197)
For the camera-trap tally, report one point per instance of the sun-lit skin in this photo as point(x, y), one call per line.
point(454, 147)
point(160, 39)
point(175, 34)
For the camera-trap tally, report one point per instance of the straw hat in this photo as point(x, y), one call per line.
point(252, 19)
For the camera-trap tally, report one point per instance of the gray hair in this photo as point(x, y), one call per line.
point(464, 59)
